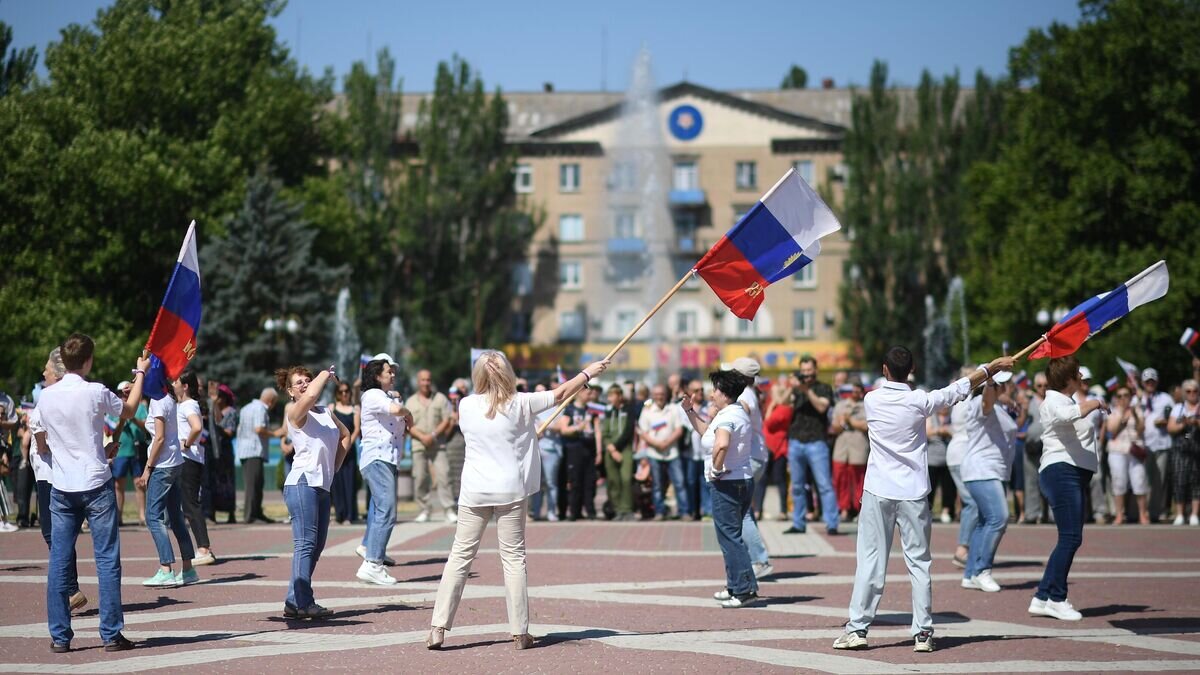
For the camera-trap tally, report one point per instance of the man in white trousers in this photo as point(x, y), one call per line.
point(895, 491)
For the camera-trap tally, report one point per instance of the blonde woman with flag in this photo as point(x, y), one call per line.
point(501, 469)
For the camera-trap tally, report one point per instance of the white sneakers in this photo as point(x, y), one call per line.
point(1194, 520)
point(762, 570)
point(6, 526)
point(1057, 610)
point(422, 517)
point(373, 573)
point(1178, 520)
point(982, 581)
point(451, 516)
point(362, 553)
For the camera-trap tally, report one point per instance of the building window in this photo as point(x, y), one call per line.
point(804, 167)
point(806, 277)
point(746, 328)
point(519, 326)
point(570, 325)
point(568, 178)
point(685, 323)
point(803, 325)
point(623, 178)
point(625, 224)
point(746, 175)
point(685, 231)
point(523, 182)
point(626, 320)
point(570, 227)
point(522, 279)
point(740, 211)
point(686, 175)
point(570, 276)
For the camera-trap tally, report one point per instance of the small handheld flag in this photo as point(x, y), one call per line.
point(172, 342)
point(1096, 314)
point(1021, 379)
point(562, 379)
point(776, 238)
point(597, 409)
point(1112, 383)
point(1127, 367)
point(1189, 340)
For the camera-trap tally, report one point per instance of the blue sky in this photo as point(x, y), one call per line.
point(521, 45)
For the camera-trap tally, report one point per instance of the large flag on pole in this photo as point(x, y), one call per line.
point(774, 240)
point(172, 342)
point(1096, 314)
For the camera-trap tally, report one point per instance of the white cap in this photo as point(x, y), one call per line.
point(1085, 373)
point(124, 383)
point(1150, 374)
point(383, 356)
point(1002, 377)
point(744, 365)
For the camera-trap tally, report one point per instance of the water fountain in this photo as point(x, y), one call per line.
point(346, 345)
point(938, 336)
point(396, 344)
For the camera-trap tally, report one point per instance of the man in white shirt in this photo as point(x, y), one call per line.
point(895, 491)
point(253, 434)
point(72, 413)
point(1156, 407)
point(660, 426)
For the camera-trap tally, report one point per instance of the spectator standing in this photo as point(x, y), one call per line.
point(550, 448)
point(1098, 493)
point(776, 421)
point(808, 451)
point(1035, 504)
point(660, 427)
point(1156, 411)
point(616, 439)
point(253, 433)
point(222, 428)
point(1184, 427)
point(344, 492)
point(1126, 455)
point(703, 411)
point(956, 450)
point(456, 445)
point(431, 419)
point(133, 442)
point(938, 430)
point(579, 429)
point(850, 450)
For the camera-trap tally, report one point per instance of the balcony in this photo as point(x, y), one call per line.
point(627, 246)
point(688, 198)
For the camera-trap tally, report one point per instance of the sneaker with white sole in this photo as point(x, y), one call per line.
point(1037, 606)
point(422, 517)
point(744, 600)
point(722, 595)
point(855, 639)
point(188, 578)
point(763, 570)
point(552, 517)
point(362, 553)
point(985, 582)
point(1178, 520)
point(162, 579)
point(1061, 610)
point(373, 573)
point(923, 642)
point(451, 516)
point(1194, 520)
point(206, 559)
point(946, 518)
point(969, 582)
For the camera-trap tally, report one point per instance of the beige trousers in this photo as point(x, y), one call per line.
point(421, 459)
point(510, 529)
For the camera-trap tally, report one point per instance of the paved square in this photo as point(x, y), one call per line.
point(631, 597)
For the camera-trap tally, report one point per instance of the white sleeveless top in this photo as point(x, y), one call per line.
point(316, 449)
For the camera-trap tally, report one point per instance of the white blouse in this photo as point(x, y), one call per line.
point(183, 411)
point(382, 432)
point(316, 446)
point(165, 409)
point(503, 464)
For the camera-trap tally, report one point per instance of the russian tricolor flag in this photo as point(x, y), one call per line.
point(774, 240)
point(1189, 339)
point(1096, 314)
point(172, 342)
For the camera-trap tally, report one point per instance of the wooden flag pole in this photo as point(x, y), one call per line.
point(1021, 354)
point(625, 340)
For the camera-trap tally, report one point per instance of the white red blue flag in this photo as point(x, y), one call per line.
point(1096, 314)
point(172, 342)
point(1189, 339)
point(776, 238)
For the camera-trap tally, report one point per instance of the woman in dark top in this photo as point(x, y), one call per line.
point(345, 495)
point(221, 423)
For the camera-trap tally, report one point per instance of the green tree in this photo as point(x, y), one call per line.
point(16, 66)
point(796, 78)
point(153, 115)
point(1097, 181)
point(269, 296)
point(904, 202)
point(461, 232)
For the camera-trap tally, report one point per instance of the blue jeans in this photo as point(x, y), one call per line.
point(309, 509)
point(731, 502)
point(754, 543)
point(381, 511)
point(68, 510)
point(813, 456)
point(969, 516)
point(674, 467)
point(164, 505)
point(549, 487)
point(693, 479)
point(45, 521)
point(1066, 487)
point(993, 521)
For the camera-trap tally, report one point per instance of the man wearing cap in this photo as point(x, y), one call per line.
point(1099, 496)
point(1156, 408)
point(748, 399)
point(808, 450)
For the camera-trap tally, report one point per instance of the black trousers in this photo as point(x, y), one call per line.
point(345, 497)
point(581, 480)
point(940, 478)
point(25, 485)
point(252, 476)
point(193, 509)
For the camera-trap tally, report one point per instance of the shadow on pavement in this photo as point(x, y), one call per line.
point(171, 641)
point(779, 576)
point(434, 577)
point(786, 599)
point(481, 643)
point(1109, 610)
point(427, 561)
point(163, 601)
point(379, 609)
point(1159, 625)
point(305, 624)
point(22, 568)
point(227, 579)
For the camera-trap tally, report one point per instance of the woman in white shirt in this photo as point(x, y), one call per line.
point(1125, 427)
point(190, 423)
point(320, 443)
point(1069, 458)
point(162, 479)
point(727, 444)
point(501, 469)
point(956, 449)
point(986, 467)
point(383, 422)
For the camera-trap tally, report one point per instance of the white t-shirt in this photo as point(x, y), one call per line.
point(502, 464)
point(734, 419)
point(43, 465)
point(1066, 435)
point(659, 424)
point(991, 443)
point(167, 410)
point(758, 445)
point(72, 412)
point(956, 449)
point(382, 432)
point(316, 446)
point(1159, 408)
point(183, 411)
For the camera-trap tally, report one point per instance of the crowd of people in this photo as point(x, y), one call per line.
point(694, 449)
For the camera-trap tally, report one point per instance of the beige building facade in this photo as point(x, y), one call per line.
point(598, 263)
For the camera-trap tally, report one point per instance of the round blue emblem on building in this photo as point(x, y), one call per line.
point(685, 122)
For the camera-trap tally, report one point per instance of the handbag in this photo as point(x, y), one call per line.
point(1138, 451)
